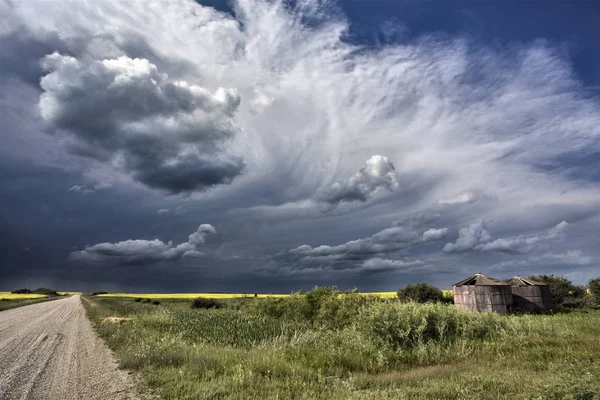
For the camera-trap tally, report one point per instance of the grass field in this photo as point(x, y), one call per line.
point(349, 347)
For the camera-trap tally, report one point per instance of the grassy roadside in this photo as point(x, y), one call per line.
point(387, 350)
point(14, 303)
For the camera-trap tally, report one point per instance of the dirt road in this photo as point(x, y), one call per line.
point(49, 351)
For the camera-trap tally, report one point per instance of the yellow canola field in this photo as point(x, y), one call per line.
point(12, 296)
point(190, 295)
point(390, 295)
point(384, 295)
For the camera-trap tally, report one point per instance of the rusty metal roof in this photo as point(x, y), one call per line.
point(519, 281)
point(480, 280)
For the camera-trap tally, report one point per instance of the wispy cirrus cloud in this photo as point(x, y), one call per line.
point(476, 237)
point(461, 198)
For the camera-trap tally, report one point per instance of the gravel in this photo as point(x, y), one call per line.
point(50, 351)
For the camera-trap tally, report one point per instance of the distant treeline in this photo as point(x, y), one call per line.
point(44, 291)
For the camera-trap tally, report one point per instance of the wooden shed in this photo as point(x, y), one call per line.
point(530, 295)
point(483, 293)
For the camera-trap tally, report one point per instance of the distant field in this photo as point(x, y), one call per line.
point(11, 296)
point(384, 295)
point(67, 293)
point(9, 300)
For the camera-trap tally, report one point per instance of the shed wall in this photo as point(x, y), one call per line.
point(483, 298)
point(538, 297)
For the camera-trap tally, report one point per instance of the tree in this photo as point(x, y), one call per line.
point(421, 293)
point(594, 287)
point(564, 292)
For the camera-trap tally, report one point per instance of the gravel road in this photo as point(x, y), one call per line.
point(49, 351)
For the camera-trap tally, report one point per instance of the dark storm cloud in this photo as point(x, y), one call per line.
point(379, 173)
point(21, 54)
point(132, 252)
point(166, 134)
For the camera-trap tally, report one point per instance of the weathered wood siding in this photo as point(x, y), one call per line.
point(496, 298)
point(535, 297)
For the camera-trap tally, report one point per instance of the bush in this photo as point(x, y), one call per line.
point(204, 303)
point(44, 291)
point(156, 302)
point(97, 293)
point(137, 299)
point(564, 293)
point(421, 293)
point(21, 291)
point(293, 308)
point(47, 292)
point(594, 287)
point(146, 301)
point(339, 311)
point(406, 325)
point(324, 307)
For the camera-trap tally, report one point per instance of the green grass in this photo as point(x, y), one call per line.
point(348, 347)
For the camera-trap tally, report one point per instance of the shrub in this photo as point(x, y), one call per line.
point(292, 308)
point(564, 292)
point(156, 302)
point(146, 301)
point(97, 293)
point(204, 303)
point(594, 287)
point(421, 293)
point(339, 311)
point(47, 292)
point(315, 297)
point(406, 325)
point(21, 291)
point(322, 306)
point(138, 299)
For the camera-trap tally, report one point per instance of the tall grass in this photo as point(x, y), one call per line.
point(332, 345)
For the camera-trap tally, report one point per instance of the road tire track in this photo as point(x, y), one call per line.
point(50, 351)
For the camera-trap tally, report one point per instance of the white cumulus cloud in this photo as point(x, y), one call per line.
point(144, 251)
point(379, 173)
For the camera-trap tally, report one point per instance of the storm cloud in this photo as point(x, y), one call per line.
point(167, 134)
point(260, 120)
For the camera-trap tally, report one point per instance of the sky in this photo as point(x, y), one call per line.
point(271, 146)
